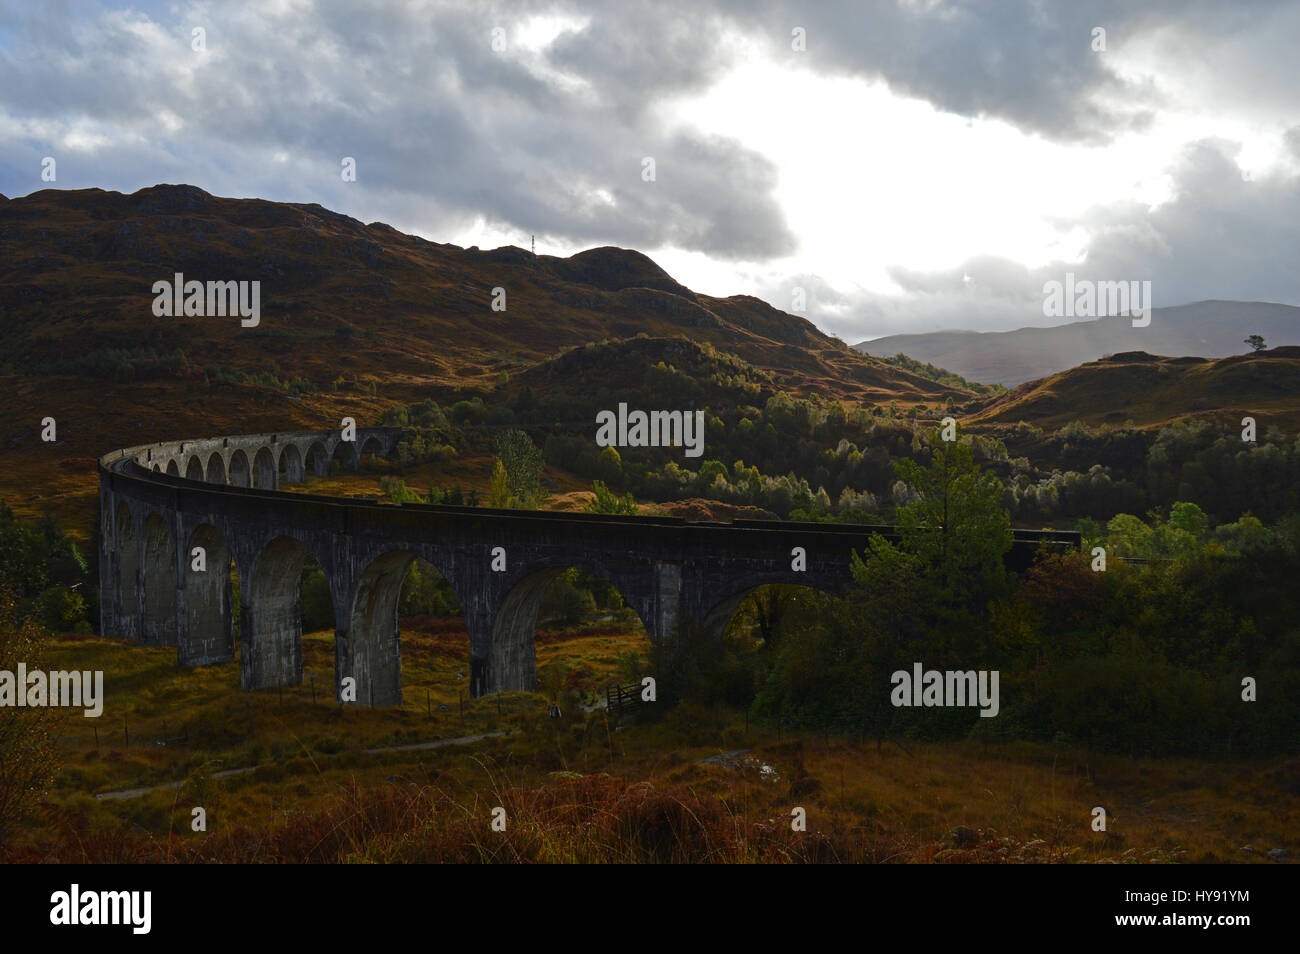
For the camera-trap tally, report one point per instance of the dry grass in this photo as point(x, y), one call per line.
point(583, 789)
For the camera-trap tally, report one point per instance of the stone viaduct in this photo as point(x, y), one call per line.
point(160, 503)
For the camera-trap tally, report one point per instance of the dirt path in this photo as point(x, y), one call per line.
point(226, 773)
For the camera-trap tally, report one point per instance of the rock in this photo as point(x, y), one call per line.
point(963, 837)
point(1278, 854)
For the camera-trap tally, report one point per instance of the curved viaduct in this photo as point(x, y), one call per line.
point(159, 503)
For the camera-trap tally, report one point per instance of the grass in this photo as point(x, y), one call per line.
point(148, 698)
point(585, 789)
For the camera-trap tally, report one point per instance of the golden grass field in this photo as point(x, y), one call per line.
point(583, 787)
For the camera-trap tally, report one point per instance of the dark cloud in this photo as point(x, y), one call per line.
point(1032, 64)
point(446, 131)
point(1220, 236)
point(443, 128)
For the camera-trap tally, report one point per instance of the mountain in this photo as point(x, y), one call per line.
point(354, 319)
point(339, 297)
point(1207, 329)
point(1151, 390)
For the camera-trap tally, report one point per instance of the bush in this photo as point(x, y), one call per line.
point(317, 604)
point(27, 745)
point(62, 610)
point(565, 603)
point(608, 502)
point(426, 593)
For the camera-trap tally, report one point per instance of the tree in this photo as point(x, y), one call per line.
point(609, 466)
point(955, 528)
point(1255, 341)
point(499, 495)
point(769, 606)
point(27, 747)
point(522, 462)
point(930, 590)
point(606, 501)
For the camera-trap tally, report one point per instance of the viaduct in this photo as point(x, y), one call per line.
point(159, 503)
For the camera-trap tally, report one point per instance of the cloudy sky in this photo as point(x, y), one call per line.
point(913, 165)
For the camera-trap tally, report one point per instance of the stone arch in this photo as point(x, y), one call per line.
point(209, 635)
point(318, 459)
point(290, 468)
point(216, 472)
point(194, 468)
point(128, 573)
point(345, 452)
point(264, 470)
point(240, 473)
point(371, 445)
point(271, 616)
point(513, 665)
point(373, 654)
point(159, 579)
point(157, 468)
point(173, 469)
point(719, 615)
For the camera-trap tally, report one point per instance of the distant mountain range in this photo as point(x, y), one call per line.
point(1205, 329)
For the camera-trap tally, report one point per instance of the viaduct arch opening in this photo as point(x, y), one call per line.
point(240, 473)
point(318, 460)
point(369, 454)
point(399, 587)
point(760, 612)
point(290, 468)
point(567, 599)
point(344, 457)
point(216, 472)
point(434, 634)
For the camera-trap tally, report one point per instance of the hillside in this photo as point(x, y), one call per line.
point(340, 296)
point(1207, 329)
point(1148, 389)
point(355, 319)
